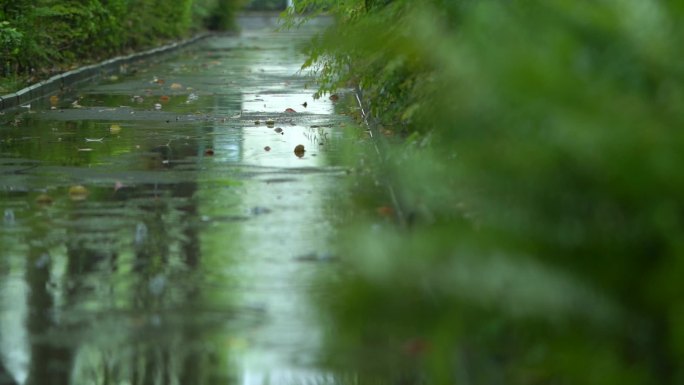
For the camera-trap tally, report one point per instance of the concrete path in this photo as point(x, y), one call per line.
point(162, 226)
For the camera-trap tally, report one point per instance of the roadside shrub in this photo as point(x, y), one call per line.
point(538, 180)
point(45, 36)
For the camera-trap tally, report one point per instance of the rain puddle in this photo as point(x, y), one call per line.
point(160, 227)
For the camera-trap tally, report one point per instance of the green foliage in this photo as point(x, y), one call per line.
point(540, 185)
point(371, 48)
point(10, 39)
point(44, 36)
point(222, 17)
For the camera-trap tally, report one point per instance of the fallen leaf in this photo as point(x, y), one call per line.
point(78, 193)
point(415, 347)
point(209, 152)
point(164, 98)
point(54, 99)
point(299, 150)
point(114, 128)
point(44, 199)
point(176, 86)
point(385, 211)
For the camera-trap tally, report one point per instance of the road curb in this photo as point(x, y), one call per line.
point(68, 79)
point(380, 145)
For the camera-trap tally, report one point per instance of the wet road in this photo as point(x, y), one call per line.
point(158, 227)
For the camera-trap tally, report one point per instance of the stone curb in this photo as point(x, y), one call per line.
point(70, 78)
point(380, 144)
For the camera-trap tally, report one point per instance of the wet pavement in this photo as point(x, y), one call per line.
point(159, 227)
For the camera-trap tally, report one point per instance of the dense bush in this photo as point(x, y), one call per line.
point(44, 36)
point(263, 5)
point(540, 184)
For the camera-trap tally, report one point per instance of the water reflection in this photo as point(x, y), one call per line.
point(111, 304)
point(180, 261)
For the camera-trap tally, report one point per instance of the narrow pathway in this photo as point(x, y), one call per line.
point(160, 227)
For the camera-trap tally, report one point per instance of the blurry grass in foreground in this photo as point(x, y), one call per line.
point(544, 195)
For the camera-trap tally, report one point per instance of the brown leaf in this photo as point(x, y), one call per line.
point(44, 199)
point(385, 211)
point(78, 193)
point(299, 150)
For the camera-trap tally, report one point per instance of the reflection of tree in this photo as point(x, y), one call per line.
point(132, 298)
point(5, 377)
point(50, 362)
point(116, 298)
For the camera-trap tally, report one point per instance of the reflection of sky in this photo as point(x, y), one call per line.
point(287, 216)
point(277, 102)
point(280, 206)
point(13, 310)
point(274, 99)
